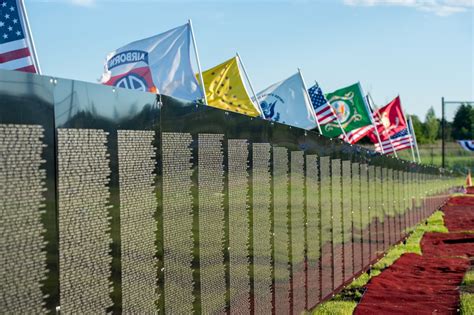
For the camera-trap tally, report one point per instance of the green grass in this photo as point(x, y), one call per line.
point(467, 293)
point(345, 302)
point(455, 156)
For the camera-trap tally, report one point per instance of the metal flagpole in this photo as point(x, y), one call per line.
point(384, 129)
point(257, 104)
point(367, 108)
point(337, 119)
point(406, 122)
point(412, 131)
point(197, 60)
point(30, 35)
point(309, 99)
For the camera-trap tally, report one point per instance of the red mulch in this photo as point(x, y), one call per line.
point(459, 214)
point(427, 284)
point(448, 244)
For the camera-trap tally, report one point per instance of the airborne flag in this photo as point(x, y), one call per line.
point(159, 64)
point(389, 120)
point(351, 110)
point(225, 89)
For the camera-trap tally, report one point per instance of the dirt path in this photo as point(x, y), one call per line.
point(427, 284)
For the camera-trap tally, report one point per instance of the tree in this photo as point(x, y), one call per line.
point(431, 125)
point(463, 124)
point(418, 127)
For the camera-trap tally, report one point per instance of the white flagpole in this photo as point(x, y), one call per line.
point(412, 131)
point(337, 119)
point(411, 142)
point(256, 104)
point(411, 146)
point(197, 60)
point(311, 109)
point(384, 129)
point(367, 108)
point(30, 35)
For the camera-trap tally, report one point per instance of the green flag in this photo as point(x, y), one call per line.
point(351, 110)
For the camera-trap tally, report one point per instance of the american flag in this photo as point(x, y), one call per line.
point(16, 47)
point(355, 135)
point(324, 111)
point(401, 140)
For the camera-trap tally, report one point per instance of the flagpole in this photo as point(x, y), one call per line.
point(30, 35)
point(337, 119)
point(412, 131)
point(411, 142)
point(385, 129)
point(257, 104)
point(197, 60)
point(367, 108)
point(309, 99)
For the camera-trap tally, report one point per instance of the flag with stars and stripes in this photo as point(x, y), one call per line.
point(400, 141)
point(322, 108)
point(16, 46)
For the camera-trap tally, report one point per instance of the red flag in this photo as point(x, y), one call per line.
point(389, 120)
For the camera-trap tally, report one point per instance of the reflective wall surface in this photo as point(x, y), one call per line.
point(126, 202)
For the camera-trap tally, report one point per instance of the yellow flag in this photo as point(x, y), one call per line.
point(225, 89)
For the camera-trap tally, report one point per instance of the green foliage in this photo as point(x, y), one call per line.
point(463, 123)
point(467, 293)
point(431, 125)
point(419, 129)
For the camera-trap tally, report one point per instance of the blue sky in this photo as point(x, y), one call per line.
point(420, 49)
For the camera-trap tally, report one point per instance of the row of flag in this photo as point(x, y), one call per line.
point(162, 64)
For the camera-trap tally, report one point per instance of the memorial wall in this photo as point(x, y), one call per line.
point(125, 202)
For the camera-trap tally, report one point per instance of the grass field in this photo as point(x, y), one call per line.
point(345, 302)
point(467, 293)
point(456, 157)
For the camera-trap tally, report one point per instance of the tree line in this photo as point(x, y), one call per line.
point(461, 128)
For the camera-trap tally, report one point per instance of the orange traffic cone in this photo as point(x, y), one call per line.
point(469, 187)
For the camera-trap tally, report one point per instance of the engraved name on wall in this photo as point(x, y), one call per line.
point(281, 238)
point(177, 222)
point(84, 222)
point(297, 181)
point(211, 223)
point(138, 226)
point(262, 249)
point(238, 154)
point(312, 230)
point(22, 185)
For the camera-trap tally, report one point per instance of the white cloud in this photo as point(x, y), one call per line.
point(438, 7)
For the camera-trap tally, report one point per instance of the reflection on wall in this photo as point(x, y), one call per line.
point(22, 202)
point(326, 227)
point(312, 230)
point(138, 226)
point(357, 226)
point(297, 182)
point(347, 219)
point(337, 222)
point(84, 227)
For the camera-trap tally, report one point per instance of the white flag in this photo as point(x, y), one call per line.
point(286, 102)
point(160, 64)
